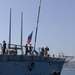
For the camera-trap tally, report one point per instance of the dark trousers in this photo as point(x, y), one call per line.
point(27, 51)
point(3, 51)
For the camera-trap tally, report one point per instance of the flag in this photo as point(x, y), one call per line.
point(28, 40)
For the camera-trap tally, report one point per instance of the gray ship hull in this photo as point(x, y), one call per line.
point(30, 65)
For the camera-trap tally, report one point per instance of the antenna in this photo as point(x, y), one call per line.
point(37, 25)
point(21, 30)
point(9, 30)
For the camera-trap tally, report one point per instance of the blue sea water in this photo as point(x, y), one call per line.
point(68, 72)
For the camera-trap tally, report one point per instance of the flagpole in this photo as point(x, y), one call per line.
point(37, 25)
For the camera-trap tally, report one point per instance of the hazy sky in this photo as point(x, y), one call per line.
point(56, 26)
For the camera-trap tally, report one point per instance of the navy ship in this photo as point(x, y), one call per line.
point(34, 63)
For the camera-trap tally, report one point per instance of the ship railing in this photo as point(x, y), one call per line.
point(13, 49)
point(13, 46)
point(66, 58)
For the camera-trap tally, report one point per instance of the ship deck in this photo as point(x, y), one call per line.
point(25, 58)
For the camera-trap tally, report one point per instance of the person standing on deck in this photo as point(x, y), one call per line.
point(42, 51)
point(30, 49)
point(3, 47)
point(46, 51)
point(26, 46)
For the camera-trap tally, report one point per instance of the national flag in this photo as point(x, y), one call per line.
point(28, 40)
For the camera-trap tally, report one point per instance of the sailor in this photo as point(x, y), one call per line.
point(15, 52)
point(4, 47)
point(46, 51)
point(30, 49)
point(42, 51)
point(26, 46)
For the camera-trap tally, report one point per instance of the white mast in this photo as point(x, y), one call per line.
point(9, 30)
point(21, 30)
point(37, 25)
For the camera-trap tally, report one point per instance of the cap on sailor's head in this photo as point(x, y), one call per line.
point(4, 41)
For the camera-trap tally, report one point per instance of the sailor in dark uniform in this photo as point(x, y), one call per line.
point(30, 49)
point(4, 47)
point(42, 51)
point(26, 52)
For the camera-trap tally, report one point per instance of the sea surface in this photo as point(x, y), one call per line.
point(68, 72)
